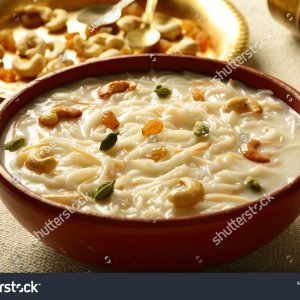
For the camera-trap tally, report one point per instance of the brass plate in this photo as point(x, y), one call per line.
point(226, 26)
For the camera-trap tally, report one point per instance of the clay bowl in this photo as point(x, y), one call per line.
point(184, 244)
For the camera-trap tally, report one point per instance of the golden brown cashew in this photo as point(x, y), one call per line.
point(100, 38)
point(86, 48)
point(249, 152)
point(52, 118)
point(56, 64)
point(128, 23)
point(169, 28)
point(114, 87)
point(186, 46)
point(189, 192)
point(39, 162)
point(29, 68)
point(31, 44)
point(43, 11)
point(242, 105)
point(110, 53)
point(58, 21)
point(57, 47)
point(114, 42)
point(7, 40)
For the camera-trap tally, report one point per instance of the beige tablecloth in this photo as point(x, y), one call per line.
point(19, 252)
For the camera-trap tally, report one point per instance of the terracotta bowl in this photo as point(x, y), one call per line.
point(184, 244)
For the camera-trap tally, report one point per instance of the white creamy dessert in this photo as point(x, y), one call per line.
point(192, 147)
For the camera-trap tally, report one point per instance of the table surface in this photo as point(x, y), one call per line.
point(20, 252)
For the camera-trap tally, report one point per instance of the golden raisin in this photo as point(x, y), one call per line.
point(8, 75)
point(109, 120)
point(114, 87)
point(157, 154)
point(197, 95)
point(152, 127)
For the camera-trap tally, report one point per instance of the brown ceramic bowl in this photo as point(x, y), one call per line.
point(183, 244)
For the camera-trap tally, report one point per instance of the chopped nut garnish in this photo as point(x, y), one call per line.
point(200, 129)
point(162, 92)
point(152, 127)
point(198, 95)
point(253, 184)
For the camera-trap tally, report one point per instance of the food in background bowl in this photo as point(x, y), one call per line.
point(154, 145)
point(52, 39)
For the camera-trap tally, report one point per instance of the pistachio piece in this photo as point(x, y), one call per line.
point(14, 144)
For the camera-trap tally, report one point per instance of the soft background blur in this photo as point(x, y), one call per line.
point(19, 252)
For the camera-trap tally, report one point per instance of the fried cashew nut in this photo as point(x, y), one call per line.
point(86, 49)
point(169, 29)
point(110, 53)
point(7, 40)
point(56, 64)
point(31, 44)
point(249, 151)
point(186, 46)
point(114, 87)
point(57, 48)
point(40, 162)
point(242, 105)
point(29, 68)
point(188, 193)
point(129, 23)
point(52, 118)
point(58, 21)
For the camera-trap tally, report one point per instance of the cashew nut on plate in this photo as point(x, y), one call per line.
point(169, 28)
point(56, 64)
point(249, 151)
point(31, 44)
point(186, 46)
point(129, 23)
point(114, 42)
point(100, 38)
point(110, 53)
point(242, 105)
point(28, 68)
point(39, 162)
point(57, 47)
point(7, 40)
point(187, 194)
point(86, 49)
point(114, 87)
point(58, 20)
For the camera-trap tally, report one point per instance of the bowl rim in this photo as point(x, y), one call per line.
point(11, 183)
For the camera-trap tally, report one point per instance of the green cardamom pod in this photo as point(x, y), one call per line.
point(14, 144)
point(109, 141)
point(104, 190)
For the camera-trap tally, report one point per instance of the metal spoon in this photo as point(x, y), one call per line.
point(145, 36)
point(102, 14)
